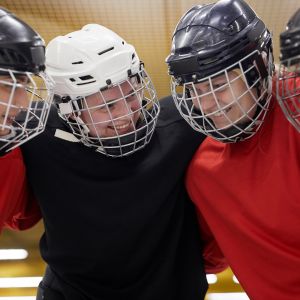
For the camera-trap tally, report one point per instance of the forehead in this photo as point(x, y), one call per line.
point(114, 92)
point(220, 78)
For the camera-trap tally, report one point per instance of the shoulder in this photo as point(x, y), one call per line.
point(172, 125)
point(168, 112)
point(54, 121)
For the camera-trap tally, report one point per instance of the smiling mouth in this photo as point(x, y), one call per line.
point(121, 127)
point(222, 112)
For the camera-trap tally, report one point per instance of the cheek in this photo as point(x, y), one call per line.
point(21, 96)
point(135, 105)
point(4, 95)
point(227, 96)
point(196, 102)
point(100, 119)
point(2, 109)
point(85, 117)
point(195, 99)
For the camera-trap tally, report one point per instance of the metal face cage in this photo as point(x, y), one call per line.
point(117, 120)
point(229, 105)
point(25, 100)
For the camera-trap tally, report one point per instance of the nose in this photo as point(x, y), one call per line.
point(20, 98)
point(123, 109)
point(205, 103)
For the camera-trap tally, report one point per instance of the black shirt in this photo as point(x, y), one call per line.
point(119, 228)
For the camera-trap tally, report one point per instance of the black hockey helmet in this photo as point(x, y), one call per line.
point(212, 37)
point(211, 41)
point(26, 90)
point(21, 48)
point(290, 40)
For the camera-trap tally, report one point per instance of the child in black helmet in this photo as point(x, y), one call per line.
point(244, 178)
point(22, 82)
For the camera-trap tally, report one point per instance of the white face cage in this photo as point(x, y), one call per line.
point(25, 101)
point(228, 106)
point(288, 89)
point(116, 121)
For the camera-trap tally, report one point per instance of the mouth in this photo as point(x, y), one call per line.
point(222, 113)
point(121, 128)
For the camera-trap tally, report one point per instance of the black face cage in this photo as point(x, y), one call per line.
point(25, 101)
point(231, 120)
point(107, 134)
point(288, 89)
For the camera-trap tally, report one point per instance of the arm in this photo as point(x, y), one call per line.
point(214, 260)
point(18, 208)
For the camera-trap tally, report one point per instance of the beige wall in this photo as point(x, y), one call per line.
point(147, 24)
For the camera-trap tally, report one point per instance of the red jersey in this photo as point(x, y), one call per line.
point(18, 209)
point(248, 193)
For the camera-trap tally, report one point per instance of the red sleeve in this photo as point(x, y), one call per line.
point(214, 260)
point(18, 208)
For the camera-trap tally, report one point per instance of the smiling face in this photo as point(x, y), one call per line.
point(114, 111)
point(13, 99)
point(224, 99)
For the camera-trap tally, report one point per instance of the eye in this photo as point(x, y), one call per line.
point(106, 107)
point(24, 80)
point(220, 86)
point(131, 98)
point(192, 89)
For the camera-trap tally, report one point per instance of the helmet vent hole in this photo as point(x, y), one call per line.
point(86, 77)
point(105, 51)
point(77, 62)
point(88, 82)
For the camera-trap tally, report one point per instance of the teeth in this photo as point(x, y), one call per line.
point(122, 126)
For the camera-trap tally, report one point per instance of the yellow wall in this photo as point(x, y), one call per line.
point(147, 24)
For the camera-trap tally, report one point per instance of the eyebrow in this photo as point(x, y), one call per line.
point(114, 99)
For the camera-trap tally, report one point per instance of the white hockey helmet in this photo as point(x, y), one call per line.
point(90, 62)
